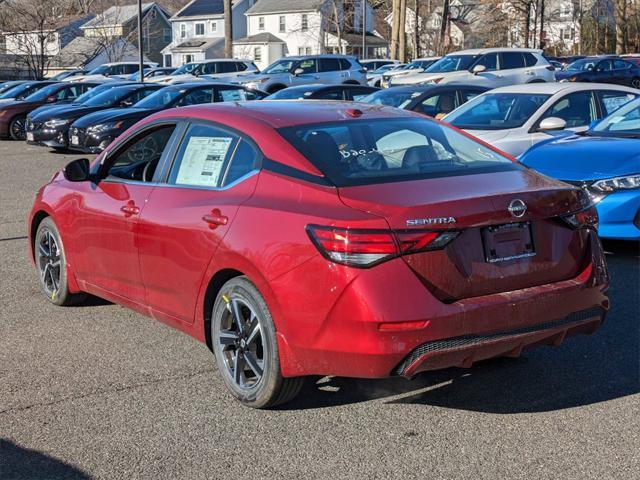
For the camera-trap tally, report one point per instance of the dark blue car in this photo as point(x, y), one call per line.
point(601, 70)
point(604, 160)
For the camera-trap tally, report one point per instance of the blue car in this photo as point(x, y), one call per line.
point(605, 160)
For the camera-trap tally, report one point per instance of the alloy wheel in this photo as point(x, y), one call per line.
point(240, 342)
point(635, 83)
point(18, 127)
point(48, 261)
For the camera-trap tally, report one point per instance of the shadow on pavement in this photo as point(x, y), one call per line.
point(17, 463)
point(584, 370)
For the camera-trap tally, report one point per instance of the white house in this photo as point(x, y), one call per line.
point(198, 31)
point(46, 42)
point(276, 28)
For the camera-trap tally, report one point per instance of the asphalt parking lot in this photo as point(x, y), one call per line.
point(97, 391)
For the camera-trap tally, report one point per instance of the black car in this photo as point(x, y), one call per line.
point(4, 86)
point(433, 100)
point(323, 92)
point(93, 133)
point(601, 70)
point(49, 127)
point(23, 89)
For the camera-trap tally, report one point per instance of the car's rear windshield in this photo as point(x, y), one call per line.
point(362, 152)
point(497, 111)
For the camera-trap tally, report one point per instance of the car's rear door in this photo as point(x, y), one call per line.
point(187, 216)
point(107, 214)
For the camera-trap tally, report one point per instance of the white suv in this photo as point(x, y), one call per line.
point(489, 67)
point(221, 68)
point(111, 71)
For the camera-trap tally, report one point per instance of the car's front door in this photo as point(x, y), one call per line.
point(187, 216)
point(107, 215)
point(491, 76)
point(309, 72)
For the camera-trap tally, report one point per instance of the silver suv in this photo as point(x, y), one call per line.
point(220, 68)
point(308, 69)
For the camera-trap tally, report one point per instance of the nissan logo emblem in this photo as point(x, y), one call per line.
point(517, 208)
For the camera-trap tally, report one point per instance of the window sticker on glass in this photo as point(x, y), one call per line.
point(202, 161)
point(236, 95)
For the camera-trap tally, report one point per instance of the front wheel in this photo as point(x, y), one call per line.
point(244, 343)
point(17, 128)
point(51, 264)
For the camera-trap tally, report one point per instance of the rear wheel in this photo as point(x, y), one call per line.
point(635, 83)
point(17, 128)
point(51, 264)
point(244, 343)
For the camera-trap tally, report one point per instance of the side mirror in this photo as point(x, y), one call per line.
point(298, 71)
point(478, 69)
point(126, 103)
point(77, 170)
point(552, 123)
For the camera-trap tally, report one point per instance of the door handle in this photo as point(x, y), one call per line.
point(130, 209)
point(215, 218)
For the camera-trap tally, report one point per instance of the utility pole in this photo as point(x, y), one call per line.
point(228, 28)
point(140, 42)
point(363, 25)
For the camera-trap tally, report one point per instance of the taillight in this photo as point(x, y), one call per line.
point(587, 218)
point(365, 248)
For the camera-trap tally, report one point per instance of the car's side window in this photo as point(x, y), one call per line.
point(139, 157)
point(439, 105)
point(197, 96)
point(577, 109)
point(331, 94)
point(231, 94)
point(490, 62)
point(329, 65)
point(227, 67)
point(203, 157)
point(529, 59)
point(604, 66)
point(612, 100)
point(468, 95)
point(359, 93)
point(245, 159)
point(345, 64)
point(308, 66)
point(621, 65)
point(511, 60)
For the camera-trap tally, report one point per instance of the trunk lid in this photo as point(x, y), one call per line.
point(470, 204)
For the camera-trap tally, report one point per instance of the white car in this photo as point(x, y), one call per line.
point(229, 69)
point(515, 118)
point(487, 67)
point(110, 71)
point(374, 78)
point(419, 65)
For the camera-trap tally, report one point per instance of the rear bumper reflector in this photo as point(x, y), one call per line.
point(408, 366)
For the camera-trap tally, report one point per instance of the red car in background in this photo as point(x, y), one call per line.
point(322, 238)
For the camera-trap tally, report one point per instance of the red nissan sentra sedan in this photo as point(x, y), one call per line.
point(326, 238)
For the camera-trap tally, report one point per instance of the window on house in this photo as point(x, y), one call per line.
point(304, 23)
point(214, 27)
point(282, 23)
point(567, 34)
point(188, 58)
point(166, 34)
point(199, 29)
point(183, 30)
point(260, 23)
point(257, 54)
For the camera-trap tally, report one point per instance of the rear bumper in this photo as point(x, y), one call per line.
point(466, 350)
point(619, 215)
point(352, 339)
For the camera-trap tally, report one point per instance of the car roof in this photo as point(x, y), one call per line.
point(479, 51)
point(189, 85)
point(436, 88)
point(325, 55)
point(283, 113)
point(214, 60)
point(553, 88)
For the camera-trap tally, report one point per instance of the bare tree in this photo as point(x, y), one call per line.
point(30, 30)
point(620, 19)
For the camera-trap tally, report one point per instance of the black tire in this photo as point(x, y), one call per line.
point(252, 347)
point(635, 83)
point(17, 127)
point(49, 250)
